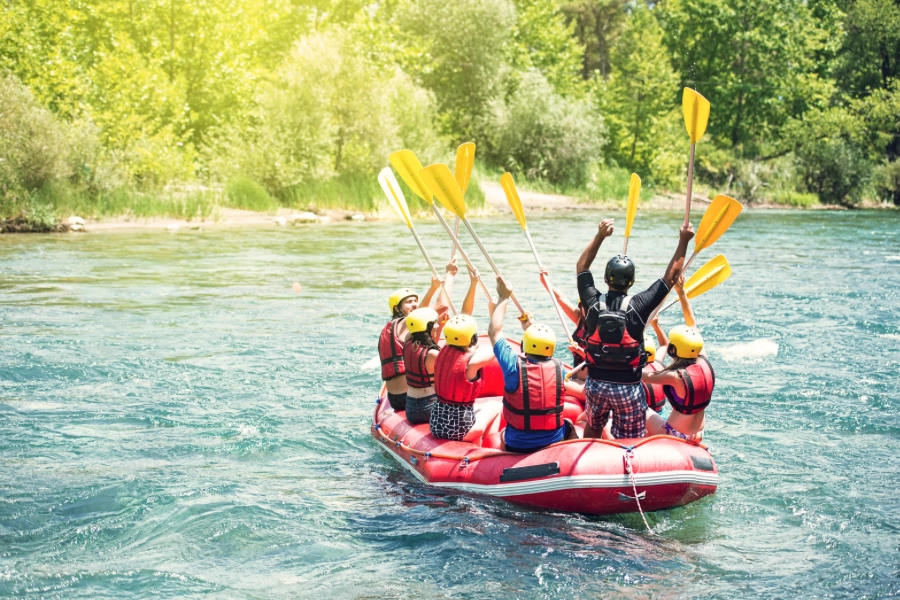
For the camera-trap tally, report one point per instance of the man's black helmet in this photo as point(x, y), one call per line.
point(620, 272)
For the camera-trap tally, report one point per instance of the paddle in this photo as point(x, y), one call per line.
point(409, 167)
point(444, 187)
point(706, 278)
point(634, 196)
point(696, 117)
point(512, 196)
point(716, 220)
point(395, 196)
point(465, 160)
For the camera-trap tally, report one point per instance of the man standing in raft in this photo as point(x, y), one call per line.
point(395, 334)
point(534, 385)
point(688, 382)
point(615, 325)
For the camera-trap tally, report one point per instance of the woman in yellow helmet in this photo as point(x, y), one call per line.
point(395, 334)
point(420, 352)
point(534, 385)
point(688, 382)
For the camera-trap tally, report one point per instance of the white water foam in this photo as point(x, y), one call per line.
point(748, 352)
point(891, 336)
point(371, 364)
point(892, 258)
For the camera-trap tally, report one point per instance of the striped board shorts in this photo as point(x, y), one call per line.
point(628, 404)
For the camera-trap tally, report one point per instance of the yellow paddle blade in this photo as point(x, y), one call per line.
point(440, 181)
point(708, 276)
point(394, 194)
point(696, 114)
point(408, 166)
point(634, 196)
point(512, 196)
point(716, 221)
point(465, 160)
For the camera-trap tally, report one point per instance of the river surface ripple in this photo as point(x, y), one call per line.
point(176, 422)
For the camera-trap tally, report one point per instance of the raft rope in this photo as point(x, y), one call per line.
point(629, 468)
point(377, 426)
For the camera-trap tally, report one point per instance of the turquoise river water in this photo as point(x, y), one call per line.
point(176, 422)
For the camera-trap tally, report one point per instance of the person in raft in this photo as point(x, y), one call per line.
point(534, 384)
point(656, 397)
point(615, 325)
point(688, 382)
point(458, 382)
point(578, 349)
point(395, 334)
point(420, 352)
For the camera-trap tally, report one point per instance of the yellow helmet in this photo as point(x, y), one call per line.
point(686, 341)
point(399, 296)
point(650, 349)
point(539, 340)
point(417, 321)
point(460, 329)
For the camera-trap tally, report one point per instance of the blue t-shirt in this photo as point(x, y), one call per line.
point(509, 364)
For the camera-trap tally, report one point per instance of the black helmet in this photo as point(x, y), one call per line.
point(620, 272)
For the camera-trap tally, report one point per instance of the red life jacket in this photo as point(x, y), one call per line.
point(537, 404)
point(390, 350)
point(450, 382)
point(417, 375)
point(656, 395)
point(699, 380)
point(580, 338)
point(610, 347)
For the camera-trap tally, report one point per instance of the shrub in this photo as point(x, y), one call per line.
point(246, 194)
point(835, 169)
point(886, 178)
point(539, 134)
point(797, 199)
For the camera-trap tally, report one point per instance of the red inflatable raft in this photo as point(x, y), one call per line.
point(583, 476)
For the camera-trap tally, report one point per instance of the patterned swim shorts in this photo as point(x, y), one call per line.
point(627, 402)
point(451, 421)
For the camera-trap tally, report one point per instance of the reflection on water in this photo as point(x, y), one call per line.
point(177, 421)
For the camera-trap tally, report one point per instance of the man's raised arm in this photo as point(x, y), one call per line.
point(587, 257)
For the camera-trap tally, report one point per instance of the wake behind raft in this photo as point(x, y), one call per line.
point(590, 476)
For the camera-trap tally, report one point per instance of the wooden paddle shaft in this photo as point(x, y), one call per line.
point(490, 262)
point(559, 312)
point(690, 182)
point(456, 233)
point(701, 282)
point(461, 251)
point(683, 270)
point(433, 270)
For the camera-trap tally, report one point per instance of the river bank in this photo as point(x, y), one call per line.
point(221, 217)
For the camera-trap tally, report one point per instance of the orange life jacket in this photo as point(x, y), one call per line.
point(699, 380)
point(537, 404)
point(656, 395)
point(450, 382)
point(417, 375)
point(390, 350)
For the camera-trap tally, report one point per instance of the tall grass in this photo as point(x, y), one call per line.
point(64, 201)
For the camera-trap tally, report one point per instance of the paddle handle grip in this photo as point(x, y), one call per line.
point(625, 247)
point(459, 247)
point(433, 270)
point(690, 182)
point(559, 313)
point(490, 261)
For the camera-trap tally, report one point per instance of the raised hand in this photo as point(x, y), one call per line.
point(605, 229)
point(452, 268)
point(686, 233)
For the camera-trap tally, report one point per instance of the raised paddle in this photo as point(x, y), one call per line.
point(714, 272)
point(696, 117)
point(634, 196)
point(512, 196)
point(444, 187)
point(465, 160)
point(395, 196)
point(409, 167)
point(716, 220)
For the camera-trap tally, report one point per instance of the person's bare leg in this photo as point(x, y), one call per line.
point(484, 416)
point(655, 423)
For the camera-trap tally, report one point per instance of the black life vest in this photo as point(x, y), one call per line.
point(610, 347)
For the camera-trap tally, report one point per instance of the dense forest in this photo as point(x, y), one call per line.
point(171, 106)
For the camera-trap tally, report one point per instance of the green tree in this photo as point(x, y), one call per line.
point(597, 25)
point(637, 99)
point(759, 62)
